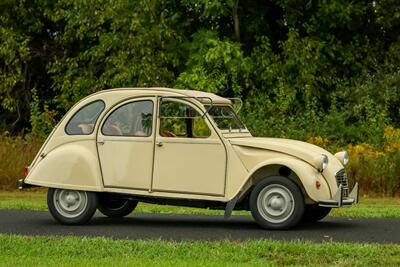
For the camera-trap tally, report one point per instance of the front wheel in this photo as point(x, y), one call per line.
point(276, 203)
point(71, 206)
point(314, 213)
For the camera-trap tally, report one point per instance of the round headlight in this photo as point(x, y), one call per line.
point(346, 158)
point(325, 162)
point(343, 157)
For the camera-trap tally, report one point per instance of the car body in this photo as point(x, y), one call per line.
point(118, 147)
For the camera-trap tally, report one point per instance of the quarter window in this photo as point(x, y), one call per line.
point(132, 119)
point(180, 120)
point(84, 120)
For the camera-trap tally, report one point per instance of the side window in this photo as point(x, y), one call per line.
point(84, 120)
point(131, 119)
point(180, 120)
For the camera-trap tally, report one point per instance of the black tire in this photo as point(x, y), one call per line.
point(314, 213)
point(115, 206)
point(83, 204)
point(285, 200)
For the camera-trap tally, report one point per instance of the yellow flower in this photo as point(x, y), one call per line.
point(318, 140)
point(388, 131)
point(359, 149)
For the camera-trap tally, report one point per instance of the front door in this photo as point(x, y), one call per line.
point(125, 144)
point(189, 156)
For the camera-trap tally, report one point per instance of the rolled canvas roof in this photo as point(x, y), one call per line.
point(203, 97)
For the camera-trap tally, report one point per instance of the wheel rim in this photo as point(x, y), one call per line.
point(275, 203)
point(70, 203)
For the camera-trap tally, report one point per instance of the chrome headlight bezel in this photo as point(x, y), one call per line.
point(320, 162)
point(324, 162)
point(346, 158)
point(343, 157)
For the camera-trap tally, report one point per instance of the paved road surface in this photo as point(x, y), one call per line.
point(201, 227)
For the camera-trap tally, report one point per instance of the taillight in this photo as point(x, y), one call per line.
point(26, 170)
point(317, 184)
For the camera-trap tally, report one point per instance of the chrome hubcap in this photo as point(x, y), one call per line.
point(275, 203)
point(70, 203)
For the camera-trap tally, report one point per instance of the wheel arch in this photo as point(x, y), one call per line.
point(301, 173)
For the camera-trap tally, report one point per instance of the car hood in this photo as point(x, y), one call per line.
point(302, 150)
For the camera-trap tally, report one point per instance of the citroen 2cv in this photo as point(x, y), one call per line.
point(118, 147)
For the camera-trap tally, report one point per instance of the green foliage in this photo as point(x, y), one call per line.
point(42, 121)
point(114, 44)
point(215, 66)
point(303, 68)
point(24, 49)
point(13, 53)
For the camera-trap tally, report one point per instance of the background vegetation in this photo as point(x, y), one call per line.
point(321, 71)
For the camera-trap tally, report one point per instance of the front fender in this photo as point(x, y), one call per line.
point(306, 174)
point(72, 165)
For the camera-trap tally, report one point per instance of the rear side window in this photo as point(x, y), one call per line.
point(84, 120)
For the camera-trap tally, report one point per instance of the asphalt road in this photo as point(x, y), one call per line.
point(201, 227)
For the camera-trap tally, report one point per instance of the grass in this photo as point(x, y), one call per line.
point(367, 208)
point(76, 251)
point(372, 208)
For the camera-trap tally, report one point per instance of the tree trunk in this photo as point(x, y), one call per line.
point(236, 20)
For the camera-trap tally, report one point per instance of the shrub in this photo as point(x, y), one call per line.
point(15, 153)
point(378, 169)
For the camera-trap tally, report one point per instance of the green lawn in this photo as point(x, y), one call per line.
point(367, 208)
point(76, 251)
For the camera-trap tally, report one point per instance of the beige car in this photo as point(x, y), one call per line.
point(118, 147)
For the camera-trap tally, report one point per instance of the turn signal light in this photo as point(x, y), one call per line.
point(317, 184)
point(26, 170)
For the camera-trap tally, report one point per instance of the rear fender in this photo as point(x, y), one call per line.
point(72, 165)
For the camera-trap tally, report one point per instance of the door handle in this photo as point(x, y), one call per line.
point(159, 143)
point(100, 142)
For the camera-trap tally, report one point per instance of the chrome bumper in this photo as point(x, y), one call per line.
point(23, 185)
point(338, 200)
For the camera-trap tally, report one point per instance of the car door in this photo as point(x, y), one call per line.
point(125, 144)
point(189, 155)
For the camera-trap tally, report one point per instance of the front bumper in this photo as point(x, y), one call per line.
point(338, 200)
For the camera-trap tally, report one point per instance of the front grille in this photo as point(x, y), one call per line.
point(341, 179)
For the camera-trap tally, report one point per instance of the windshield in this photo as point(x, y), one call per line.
point(225, 117)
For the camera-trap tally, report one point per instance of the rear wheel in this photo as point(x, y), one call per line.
point(115, 206)
point(276, 203)
point(71, 206)
point(314, 213)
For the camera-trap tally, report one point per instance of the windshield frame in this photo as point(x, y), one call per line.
point(236, 118)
